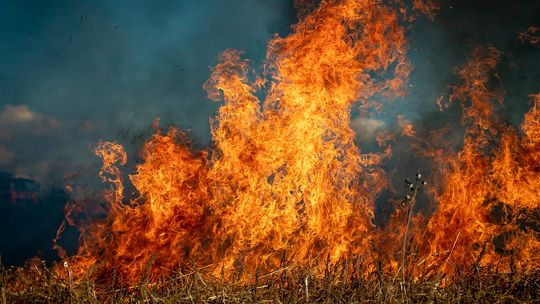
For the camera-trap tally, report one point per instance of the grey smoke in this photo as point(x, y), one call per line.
point(113, 66)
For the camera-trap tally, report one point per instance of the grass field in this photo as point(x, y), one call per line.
point(39, 284)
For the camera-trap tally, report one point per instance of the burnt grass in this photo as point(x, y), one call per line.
point(39, 284)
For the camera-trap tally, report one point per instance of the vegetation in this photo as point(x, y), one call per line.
point(39, 284)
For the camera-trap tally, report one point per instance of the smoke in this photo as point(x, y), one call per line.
point(72, 73)
point(108, 69)
point(113, 67)
point(441, 45)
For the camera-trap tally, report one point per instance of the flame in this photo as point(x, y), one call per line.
point(427, 7)
point(285, 183)
point(490, 189)
point(406, 126)
point(531, 35)
point(284, 178)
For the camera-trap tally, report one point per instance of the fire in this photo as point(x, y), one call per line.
point(406, 126)
point(284, 181)
point(427, 7)
point(531, 35)
point(488, 200)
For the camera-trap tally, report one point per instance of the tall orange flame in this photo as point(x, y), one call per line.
point(285, 182)
point(490, 188)
point(285, 178)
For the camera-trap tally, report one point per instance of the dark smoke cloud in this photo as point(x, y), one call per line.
point(113, 66)
point(460, 26)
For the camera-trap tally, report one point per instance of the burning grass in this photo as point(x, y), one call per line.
point(284, 176)
point(340, 283)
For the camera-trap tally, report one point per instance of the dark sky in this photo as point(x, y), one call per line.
point(74, 72)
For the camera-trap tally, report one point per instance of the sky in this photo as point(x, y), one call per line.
point(76, 72)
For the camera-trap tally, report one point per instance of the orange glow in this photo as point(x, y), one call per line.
point(531, 35)
point(427, 7)
point(284, 180)
point(285, 183)
point(406, 127)
point(488, 192)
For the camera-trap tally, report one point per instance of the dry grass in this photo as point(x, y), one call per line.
point(38, 284)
